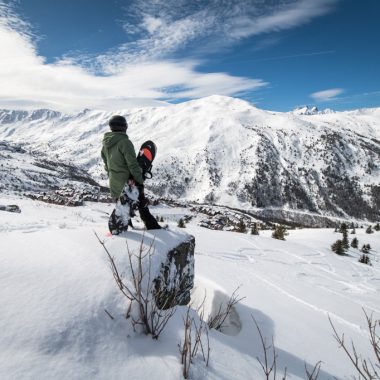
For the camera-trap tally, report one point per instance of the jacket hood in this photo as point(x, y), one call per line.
point(112, 138)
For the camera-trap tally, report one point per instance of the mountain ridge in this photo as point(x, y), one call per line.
point(224, 150)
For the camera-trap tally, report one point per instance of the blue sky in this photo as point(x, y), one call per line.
point(278, 54)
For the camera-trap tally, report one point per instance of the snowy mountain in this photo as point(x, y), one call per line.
point(305, 110)
point(226, 151)
point(311, 110)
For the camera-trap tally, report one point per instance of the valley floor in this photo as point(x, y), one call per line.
point(55, 283)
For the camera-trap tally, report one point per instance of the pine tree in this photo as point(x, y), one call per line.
point(241, 227)
point(338, 248)
point(345, 242)
point(377, 227)
point(355, 243)
point(255, 229)
point(365, 259)
point(343, 227)
point(162, 219)
point(369, 230)
point(181, 223)
point(279, 232)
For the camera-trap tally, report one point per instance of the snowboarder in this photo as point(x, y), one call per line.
point(126, 178)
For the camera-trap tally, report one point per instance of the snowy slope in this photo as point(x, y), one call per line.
point(55, 283)
point(22, 170)
point(226, 151)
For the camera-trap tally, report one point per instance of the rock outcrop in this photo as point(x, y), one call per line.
point(176, 278)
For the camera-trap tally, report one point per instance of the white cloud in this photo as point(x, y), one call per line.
point(172, 24)
point(279, 18)
point(27, 80)
point(327, 95)
point(141, 69)
point(152, 24)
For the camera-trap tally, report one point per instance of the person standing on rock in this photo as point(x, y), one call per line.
point(125, 178)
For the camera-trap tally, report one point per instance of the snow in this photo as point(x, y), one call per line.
point(55, 283)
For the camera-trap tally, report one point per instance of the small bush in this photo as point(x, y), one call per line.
point(255, 229)
point(366, 248)
point(369, 230)
point(241, 227)
point(377, 227)
point(181, 223)
point(280, 232)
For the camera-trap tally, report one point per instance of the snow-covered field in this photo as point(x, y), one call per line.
point(55, 283)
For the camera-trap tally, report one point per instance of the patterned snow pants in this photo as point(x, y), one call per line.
point(132, 197)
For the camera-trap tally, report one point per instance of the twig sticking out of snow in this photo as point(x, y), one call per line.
point(365, 367)
point(193, 340)
point(216, 321)
point(141, 290)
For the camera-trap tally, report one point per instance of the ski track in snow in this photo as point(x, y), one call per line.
point(311, 270)
point(282, 282)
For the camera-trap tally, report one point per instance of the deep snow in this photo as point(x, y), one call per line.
point(55, 283)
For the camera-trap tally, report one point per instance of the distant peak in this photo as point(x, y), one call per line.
point(306, 110)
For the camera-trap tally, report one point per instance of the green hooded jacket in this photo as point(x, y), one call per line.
point(119, 156)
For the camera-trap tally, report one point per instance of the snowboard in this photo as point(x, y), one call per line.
point(145, 158)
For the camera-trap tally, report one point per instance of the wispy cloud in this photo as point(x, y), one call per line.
point(26, 79)
point(143, 69)
point(327, 95)
point(162, 27)
point(282, 57)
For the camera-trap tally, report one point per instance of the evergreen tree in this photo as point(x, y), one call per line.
point(345, 242)
point(343, 227)
point(181, 223)
point(369, 230)
point(255, 229)
point(338, 248)
point(336, 229)
point(279, 232)
point(377, 227)
point(355, 243)
point(365, 259)
point(162, 219)
point(241, 227)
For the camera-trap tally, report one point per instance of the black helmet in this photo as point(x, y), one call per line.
point(118, 123)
